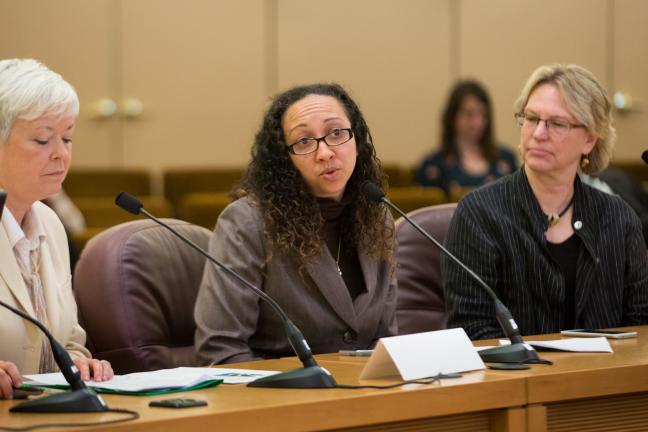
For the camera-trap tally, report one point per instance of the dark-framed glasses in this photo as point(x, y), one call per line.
point(309, 145)
point(556, 127)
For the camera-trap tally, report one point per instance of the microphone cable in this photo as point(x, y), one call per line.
point(132, 415)
point(424, 381)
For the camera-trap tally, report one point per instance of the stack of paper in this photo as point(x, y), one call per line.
point(599, 344)
point(156, 382)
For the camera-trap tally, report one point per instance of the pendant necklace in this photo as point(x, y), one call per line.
point(337, 259)
point(553, 218)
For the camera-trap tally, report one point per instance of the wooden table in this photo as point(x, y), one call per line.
point(469, 403)
point(591, 392)
point(607, 388)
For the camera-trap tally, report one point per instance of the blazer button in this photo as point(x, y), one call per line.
point(349, 337)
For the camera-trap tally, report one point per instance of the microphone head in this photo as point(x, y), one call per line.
point(129, 203)
point(644, 156)
point(372, 190)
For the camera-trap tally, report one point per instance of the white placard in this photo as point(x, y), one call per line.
point(422, 355)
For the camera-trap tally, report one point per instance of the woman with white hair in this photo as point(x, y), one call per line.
point(559, 253)
point(38, 109)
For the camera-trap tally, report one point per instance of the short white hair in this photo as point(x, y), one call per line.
point(28, 90)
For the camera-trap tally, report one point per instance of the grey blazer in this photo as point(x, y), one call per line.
point(233, 325)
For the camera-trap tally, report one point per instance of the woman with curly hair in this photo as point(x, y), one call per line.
point(302, 231)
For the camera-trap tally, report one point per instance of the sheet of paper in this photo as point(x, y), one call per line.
point(422, 355)
point(593, 345)
point(237, 376)
point(161, 379)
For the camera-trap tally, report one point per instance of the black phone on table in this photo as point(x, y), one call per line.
point(177, 403)
point(610, 334)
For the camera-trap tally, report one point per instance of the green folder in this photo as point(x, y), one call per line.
point(152, 392)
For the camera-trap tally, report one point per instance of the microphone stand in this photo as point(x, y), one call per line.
point(80, 399)
point(517, 351)
point(311, 375)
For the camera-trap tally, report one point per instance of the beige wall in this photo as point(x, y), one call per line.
point(393, 57)
point(628, 68)
point(502, 41)
point(204, 69)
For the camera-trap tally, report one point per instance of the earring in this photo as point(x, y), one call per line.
point(519, 149)
point(584, 162)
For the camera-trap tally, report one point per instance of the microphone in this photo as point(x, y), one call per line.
point(644, 156)
point(517, 351)
point(311, 375)
point(80, 399)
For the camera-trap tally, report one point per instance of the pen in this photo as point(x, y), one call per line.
point(356, 353)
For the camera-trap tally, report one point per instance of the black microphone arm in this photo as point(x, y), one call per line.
point(517, 351)
point(311, 375)
point(80, 399)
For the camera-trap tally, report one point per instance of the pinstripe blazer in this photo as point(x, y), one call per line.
point(499, 232)
point(233, 325)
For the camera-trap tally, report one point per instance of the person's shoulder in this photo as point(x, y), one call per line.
point(612, 205)
point(497, 191)
point(434, 157)
point(504, 152)
point(242, 211)
point(507, 156)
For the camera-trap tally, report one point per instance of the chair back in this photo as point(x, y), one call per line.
point(135, 285)
point(421, 303)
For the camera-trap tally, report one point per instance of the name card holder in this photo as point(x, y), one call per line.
point(423, 355)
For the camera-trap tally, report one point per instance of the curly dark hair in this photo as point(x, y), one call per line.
point(459, 93)
point(291, 213)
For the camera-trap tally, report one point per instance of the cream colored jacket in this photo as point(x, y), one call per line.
point(20, 340)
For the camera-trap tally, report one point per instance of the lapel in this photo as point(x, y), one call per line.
point(50, 284)
point(588, 260)
point(330, 283)
point(536, 223)
point(11, 275)
point(369, 268)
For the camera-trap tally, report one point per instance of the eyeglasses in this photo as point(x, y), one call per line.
point(309, 145)
point(557, 128)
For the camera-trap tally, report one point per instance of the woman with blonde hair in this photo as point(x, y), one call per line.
point(559, 253)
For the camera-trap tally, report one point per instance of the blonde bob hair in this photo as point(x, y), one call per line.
point(28, 90)
point(585, 99)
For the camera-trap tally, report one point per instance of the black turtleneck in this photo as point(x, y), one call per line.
point(333, 213)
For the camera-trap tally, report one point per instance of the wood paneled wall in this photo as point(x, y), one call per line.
point(204, 70)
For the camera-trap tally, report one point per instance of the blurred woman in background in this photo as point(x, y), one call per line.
point(469, 156)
